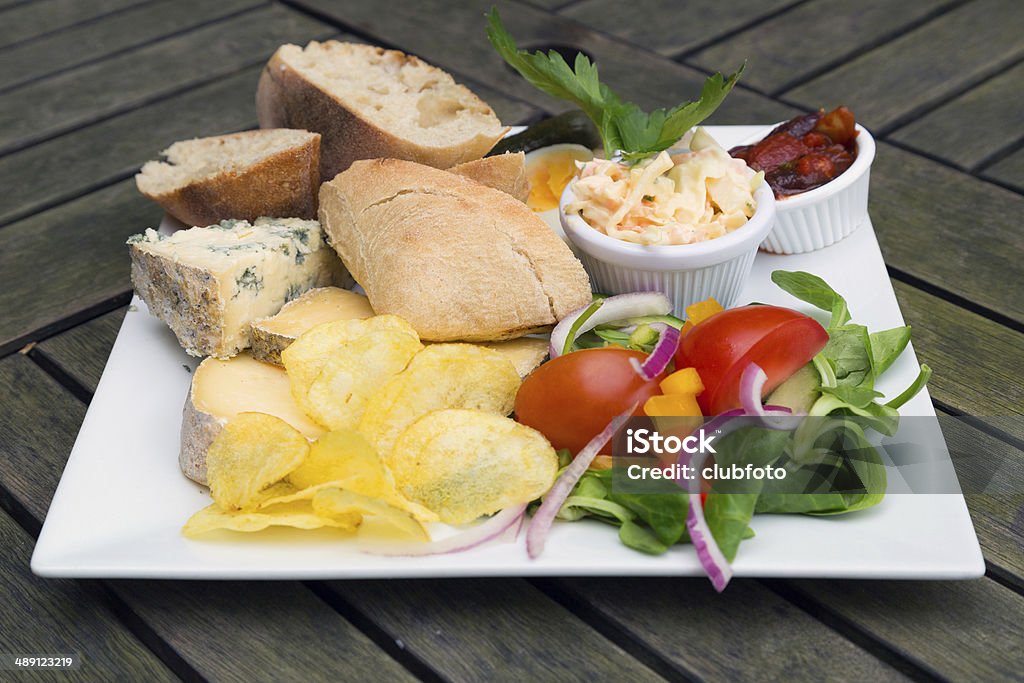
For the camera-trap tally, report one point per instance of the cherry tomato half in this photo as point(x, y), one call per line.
point(779, 340)
point(573, 397)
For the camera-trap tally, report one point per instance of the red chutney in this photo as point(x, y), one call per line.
point(805, 152)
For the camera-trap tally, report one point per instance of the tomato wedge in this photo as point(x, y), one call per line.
point(780, 340)
point(573, 397)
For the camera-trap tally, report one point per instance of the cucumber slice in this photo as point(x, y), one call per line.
point(572, 126)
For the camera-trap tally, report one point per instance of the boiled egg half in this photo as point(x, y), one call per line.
point(549, 170)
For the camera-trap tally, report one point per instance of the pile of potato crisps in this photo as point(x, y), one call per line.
point(418, 434)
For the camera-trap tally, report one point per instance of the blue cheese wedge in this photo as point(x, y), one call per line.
point(209, 284)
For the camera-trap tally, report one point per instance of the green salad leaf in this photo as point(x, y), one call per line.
point(624, 126)
point(853, 358)
point(829, 460)
point(815, 291)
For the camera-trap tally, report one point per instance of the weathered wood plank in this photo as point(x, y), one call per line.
point(974, 126)
point(784, 50)
point(893, 83)
point(239, 631)
point(82, 351)
point(672, 27)
point(65, 260)
point(430, 28)
point(257, 631)
point(747, 633)
point(991, 474)
point(58, 617)
point(66, 166)
point(73, 98)
point(1009, 170)
point(35, 19)
point(947, 228)
point(133, 27)
point(37, 432)
point(56, 170)
point(976, 362)
point(963, 631)
point(491, 629)
point(551, 4)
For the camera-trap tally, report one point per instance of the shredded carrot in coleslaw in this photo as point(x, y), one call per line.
point(682, 198)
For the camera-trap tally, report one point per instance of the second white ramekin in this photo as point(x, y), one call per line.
point(823, 216)
point(686, 273)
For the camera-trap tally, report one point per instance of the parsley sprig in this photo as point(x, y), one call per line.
point(624, 126)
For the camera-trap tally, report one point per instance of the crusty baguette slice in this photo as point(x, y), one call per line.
point(505, 172)
point(242, 175)
point(457, 259)
point(369, 102)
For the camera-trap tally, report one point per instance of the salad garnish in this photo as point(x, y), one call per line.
point(831, 466)
point(624, 126)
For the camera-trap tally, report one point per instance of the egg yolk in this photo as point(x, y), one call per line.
point(548, 178)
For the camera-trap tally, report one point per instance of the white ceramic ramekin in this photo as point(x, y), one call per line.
point(686, 273)
point(823, 216)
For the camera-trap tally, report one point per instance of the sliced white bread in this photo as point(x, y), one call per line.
point(505, 172)
point(273, 172)
point(370, 103)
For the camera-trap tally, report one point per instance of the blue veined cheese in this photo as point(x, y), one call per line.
point(209, 284)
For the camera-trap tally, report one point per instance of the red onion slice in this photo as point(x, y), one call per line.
point(540, 525)
point(710, 555)
point(619, 307)
point(506, 521)
point(661, 355)
point(751, 385)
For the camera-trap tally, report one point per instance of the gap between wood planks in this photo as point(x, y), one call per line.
point(850, 630)
point(612, 630)
point(55, 31)
point(877, 41)
point(18, 145)
point(173, 34)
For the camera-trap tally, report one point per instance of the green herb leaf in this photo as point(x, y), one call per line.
point(624, 126)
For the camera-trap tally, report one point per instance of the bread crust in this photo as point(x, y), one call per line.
point(286, 99)
point(282, 185)
point(505, 172)
point(457, 259)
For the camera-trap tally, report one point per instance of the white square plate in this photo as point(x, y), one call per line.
point(122, 501)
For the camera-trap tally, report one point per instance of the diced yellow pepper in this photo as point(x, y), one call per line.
point(702, 310)
point(687, 326)
point(672, 405)
point(685, 381)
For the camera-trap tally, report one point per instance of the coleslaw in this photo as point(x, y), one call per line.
point(673, 198)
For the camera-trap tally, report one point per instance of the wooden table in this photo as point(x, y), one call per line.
point(90, 90)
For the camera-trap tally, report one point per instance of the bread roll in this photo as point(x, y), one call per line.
point(246, 175)
point(457, 259)
point(505, 172)
point(369, 102)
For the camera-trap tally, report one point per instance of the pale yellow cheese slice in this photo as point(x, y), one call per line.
point(222, 389)
point(273, 334)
